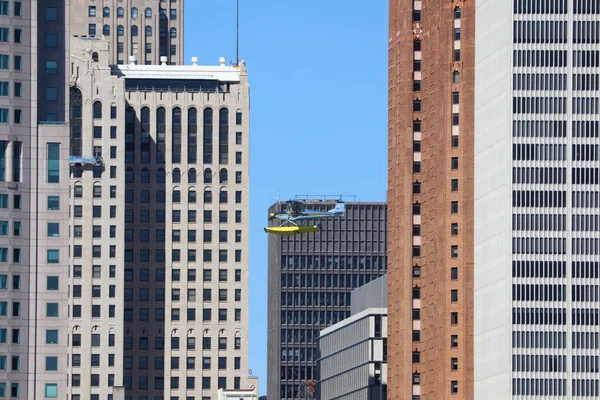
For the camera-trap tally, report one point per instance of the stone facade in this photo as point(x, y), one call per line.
point(145, 29)
point(164, 216)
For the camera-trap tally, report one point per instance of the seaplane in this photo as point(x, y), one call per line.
point(296, 212)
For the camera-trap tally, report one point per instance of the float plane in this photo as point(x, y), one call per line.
point(296, 211)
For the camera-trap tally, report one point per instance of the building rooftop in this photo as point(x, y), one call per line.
point(350, 320)
point(221, 72)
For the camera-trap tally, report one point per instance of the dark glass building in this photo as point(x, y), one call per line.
point(311, 277)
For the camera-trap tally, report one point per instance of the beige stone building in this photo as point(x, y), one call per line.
point(160, 183)
point(147, 29)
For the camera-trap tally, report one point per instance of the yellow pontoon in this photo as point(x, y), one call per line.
point(291, 230)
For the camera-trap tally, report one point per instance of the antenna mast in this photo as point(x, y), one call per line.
point(237, 33)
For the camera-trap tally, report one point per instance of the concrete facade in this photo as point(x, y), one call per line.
point(311, 277)
point(372, 295)
point(430, 198)
point(33, 198)
point(352, 358)
point(161, 227)
point(146, 29)
point(536, 200)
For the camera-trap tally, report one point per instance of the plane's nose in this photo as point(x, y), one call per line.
point(271, 215)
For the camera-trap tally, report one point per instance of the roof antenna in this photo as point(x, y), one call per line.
point(237, 39)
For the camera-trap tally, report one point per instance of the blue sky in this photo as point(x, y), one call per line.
point(318, 76)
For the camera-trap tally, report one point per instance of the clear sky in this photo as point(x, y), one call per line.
point(318, 76)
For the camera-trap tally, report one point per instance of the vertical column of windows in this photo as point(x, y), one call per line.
point(416, 191)
point(584, 38)
point(540, 172)
point(454, 194)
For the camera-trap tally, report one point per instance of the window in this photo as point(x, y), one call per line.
point(148, 31)
point(18, 9)
point(454, 318)
point(53, 174)
point(454, 207)
point(91, 11)
point(454, 229)
point(51, 67)
point(51, 391)
point(52, 256)
point(52, 310)
point(454, 295)
point(454, 384)
point(148, 12)
point(454, 185)
point(454, 273)
point(18, 61)
point(454, 163)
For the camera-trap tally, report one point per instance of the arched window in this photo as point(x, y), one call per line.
point(208, 175)
point(145, 175)
point(192, 195)
point(192, 175)
point(176, 175)
point(208, 132)
point(161, 130)
point(160, 175)
point(120, 30)
point(223, 196)
point(223, 175)
point(95, 57)
point(192, 135)
point(176, 136)
point(176, 195)
point(134, 13)
point(148, 12)
point(173, 32)
point(145, 135)
point(238, 117)
point(223, 135)
point(129, 175)
point(207, 196)
point(120, 12)
point(97, 110)
point(106, 12)
point(148, 30)
point(106, 30)
point(130, 122)
point(134, 30)
point(76, 116)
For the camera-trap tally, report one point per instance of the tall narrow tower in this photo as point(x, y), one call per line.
point(431, 86)
point(34, 198)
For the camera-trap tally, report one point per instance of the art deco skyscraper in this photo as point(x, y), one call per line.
point(34, 198)
point(146, 29)
point(431, 82)
point(503, 257)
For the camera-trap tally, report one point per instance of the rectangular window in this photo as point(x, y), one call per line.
point(51, 40)
point(53, 175)
point(4, 7)
point(18, 9)
point(4, 115)
point(4, 61)
point(52, 256)
point(51, 67)
point(18, 89)
point(18, 63)
point(4, 34)
point(4, 89)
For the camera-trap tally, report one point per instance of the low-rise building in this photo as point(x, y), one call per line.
point(352, 354)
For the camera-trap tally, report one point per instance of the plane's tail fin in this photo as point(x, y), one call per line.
point(339, 209)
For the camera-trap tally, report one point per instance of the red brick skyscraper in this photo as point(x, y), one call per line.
point(431, 98)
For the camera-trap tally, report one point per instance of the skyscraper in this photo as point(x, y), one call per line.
point(501, 179)
point(159, 176)
point(146, 29)
point(311, 277)
point(430, 199)
point(536, 203)
point(34, 198)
